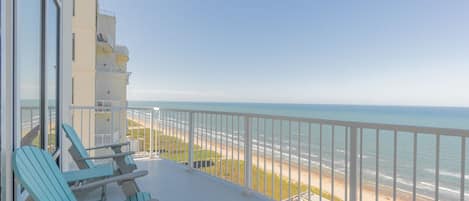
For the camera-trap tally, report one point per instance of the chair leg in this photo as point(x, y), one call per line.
point(103, 193)
point(130, 187)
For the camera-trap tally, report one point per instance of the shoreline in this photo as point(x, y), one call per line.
point(368, 190)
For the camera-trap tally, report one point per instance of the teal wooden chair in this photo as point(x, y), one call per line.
point(37, 172)
point(123, 160)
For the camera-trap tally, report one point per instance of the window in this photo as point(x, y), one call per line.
point(73, 7)
point(73, 91)
point(28, 64)
point(52, 73)
point(36, 64)
point(73, 46)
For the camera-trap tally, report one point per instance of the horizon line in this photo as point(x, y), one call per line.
point(303, 103)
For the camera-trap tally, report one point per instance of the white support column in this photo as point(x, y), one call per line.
point(353, 164)
point(247, 155)
point(6, 99)
point(191, 142)
point(152, 133)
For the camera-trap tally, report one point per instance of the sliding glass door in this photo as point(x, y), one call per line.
point(28, 65)
point(36, 72)
point(36, 75)
point(52, 74)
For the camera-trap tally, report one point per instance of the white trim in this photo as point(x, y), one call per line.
point(65, 63)
point(6, 98)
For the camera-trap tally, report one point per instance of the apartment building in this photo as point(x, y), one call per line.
point(100, 74)
point(112, 79)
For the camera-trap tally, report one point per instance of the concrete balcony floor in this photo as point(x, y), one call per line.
point(168, 181)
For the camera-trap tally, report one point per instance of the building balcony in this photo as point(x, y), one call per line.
point(210, 155)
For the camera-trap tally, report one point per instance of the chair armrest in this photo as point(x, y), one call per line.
point(118, 155)
point(89, 173)
point(109, 146)
point(124, 177)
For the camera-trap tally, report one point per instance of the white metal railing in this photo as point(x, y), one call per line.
point(291, 158)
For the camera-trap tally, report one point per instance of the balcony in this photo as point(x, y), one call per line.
point(169, 181)
point(208, 155)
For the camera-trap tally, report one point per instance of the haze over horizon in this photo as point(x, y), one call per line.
point(361, 53)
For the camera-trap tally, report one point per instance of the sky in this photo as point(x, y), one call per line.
point(321, 52)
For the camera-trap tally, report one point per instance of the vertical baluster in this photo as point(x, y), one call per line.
point(191, 141)
point(144, 129)
point(353, 164)
point(211, 144)
point(437, 168)
point(81, 125)
point(89, 127)
point(226, 144)
point(133, 128)
point(361, 164)
point(309, 161)
point(206, 142)
point(179, 139)
point(162, 140)
point(394, 172)
point(232, 148)
point(463, 169)
point(299, 159)
point(239, 164)
point(289, 160)
point(257, 155)
point(31, 119)
point(377, 166)
point(185, 138)
point(281, 158)
point(171, 135)
point(248, 154)
point(264, 151)
point(217, 156)
point(320, 162)
point(332, 160)
point(273, 159)
point(346, 165)
point(165, 133)
point(414, 172)
point(168, 140)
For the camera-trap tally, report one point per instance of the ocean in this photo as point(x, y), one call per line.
point(444, 117)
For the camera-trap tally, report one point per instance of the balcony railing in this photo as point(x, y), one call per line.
point(291, 158)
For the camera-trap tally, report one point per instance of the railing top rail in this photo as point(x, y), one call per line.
point(353, 124)
point(356, 124)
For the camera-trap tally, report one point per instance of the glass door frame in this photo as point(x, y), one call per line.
point(6, 98)
point(19, 194)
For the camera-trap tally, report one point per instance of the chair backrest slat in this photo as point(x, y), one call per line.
point(77, 145)
point(40, 176)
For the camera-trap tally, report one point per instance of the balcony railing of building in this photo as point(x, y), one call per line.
point(291, 158)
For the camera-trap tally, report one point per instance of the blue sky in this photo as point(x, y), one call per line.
point(334, 52)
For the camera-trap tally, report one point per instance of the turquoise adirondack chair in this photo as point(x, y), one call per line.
point(37, 172)
point(123, 160)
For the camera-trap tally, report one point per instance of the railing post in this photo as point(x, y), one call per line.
point(353, 164)
point(247, 155)
point(151, 133)
point(191, 142)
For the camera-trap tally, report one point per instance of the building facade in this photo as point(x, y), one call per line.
point(84, 25)
point(112, 79)
point(100, 74)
